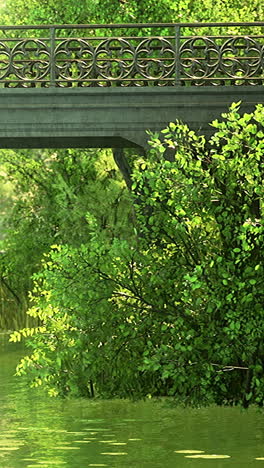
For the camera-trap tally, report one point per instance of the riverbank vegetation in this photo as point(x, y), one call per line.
point(154, 289)
point(178, 308)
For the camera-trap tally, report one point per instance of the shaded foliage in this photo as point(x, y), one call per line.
point(52, 193)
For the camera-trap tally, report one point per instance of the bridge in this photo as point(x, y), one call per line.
point(105, 85)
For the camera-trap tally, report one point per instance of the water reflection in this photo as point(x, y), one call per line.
point(36, 431)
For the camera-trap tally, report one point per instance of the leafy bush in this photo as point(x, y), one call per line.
point(179, 311)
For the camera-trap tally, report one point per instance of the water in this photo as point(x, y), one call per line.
point(39, 432)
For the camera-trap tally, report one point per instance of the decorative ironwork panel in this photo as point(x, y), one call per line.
point(24, 63)
point(74, 61)
point(141, 55)
point(220, 60)
point(114, 61)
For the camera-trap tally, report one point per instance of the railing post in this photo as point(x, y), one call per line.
point(52, 58)
point(177, 55)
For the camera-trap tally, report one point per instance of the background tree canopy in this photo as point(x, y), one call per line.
point(129, 11)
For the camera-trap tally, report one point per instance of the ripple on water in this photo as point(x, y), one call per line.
point(96, 429)
point(118, 443)
point(82, 441)
point(209, 457)
point(189, 451)
point(97, 464)
point(76, 433)
point(65, 448)
point(10, 442)
point(9, 449)
point(49, 463)
point(114, 453)
point(107, 441)
point(92, 421)
point(38, 466)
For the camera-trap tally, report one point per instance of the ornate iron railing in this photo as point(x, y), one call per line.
point(132, 55)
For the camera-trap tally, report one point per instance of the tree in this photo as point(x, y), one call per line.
point(179, 312)
point(53, 192)
point(129, 11)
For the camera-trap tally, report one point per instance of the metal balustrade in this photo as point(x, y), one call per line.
point(198, 54)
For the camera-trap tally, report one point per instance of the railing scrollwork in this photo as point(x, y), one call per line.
point(96, 55)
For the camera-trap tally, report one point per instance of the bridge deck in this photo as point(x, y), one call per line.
point(105, 85)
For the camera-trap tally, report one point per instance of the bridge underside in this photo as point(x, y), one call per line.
point(110, 117)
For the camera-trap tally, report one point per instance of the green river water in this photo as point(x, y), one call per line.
point(37, 431)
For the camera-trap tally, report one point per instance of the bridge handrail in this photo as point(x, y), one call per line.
point(133, 25)
point(151, 59)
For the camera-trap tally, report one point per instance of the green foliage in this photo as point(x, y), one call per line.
point(52, 193)
point(129, 11)
point(176, 311)
point(180, 311)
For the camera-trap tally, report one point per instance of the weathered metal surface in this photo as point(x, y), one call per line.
point(134, 55)
point(110, 117)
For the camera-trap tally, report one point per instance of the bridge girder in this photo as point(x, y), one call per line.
point(110, 117)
